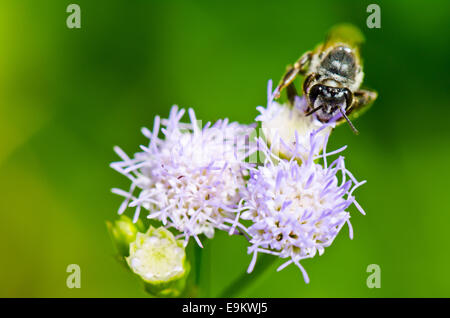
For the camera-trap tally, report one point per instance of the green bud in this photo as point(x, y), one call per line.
point(160, 261)
point(123, 231)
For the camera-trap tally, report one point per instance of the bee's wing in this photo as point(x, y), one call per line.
point(345, 33)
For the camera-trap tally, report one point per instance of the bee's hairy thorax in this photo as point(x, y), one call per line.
point(337, 66)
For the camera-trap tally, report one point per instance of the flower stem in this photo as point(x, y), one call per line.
point(202, 269)
point(245, 279)
point(198, 263)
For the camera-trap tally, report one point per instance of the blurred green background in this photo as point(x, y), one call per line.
point(67, 96)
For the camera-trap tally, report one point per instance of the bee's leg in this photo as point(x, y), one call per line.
point(302, 62)
point(362, 100)
point(292, 71)
point(291, 93)
point(364, 97)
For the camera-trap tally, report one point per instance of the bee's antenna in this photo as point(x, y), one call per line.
point(349, 122)
point(312, 111)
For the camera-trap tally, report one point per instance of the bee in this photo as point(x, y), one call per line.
point(333, 74)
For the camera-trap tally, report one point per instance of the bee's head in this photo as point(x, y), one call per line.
point(328, 101)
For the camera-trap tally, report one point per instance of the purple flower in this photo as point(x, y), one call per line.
point(297, 209)
point(190, 178)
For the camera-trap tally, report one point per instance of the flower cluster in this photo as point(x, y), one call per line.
point(189, 179)
point(195, 180)
point(296, 209)
point(295, 204)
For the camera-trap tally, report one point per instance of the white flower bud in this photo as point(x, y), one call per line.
point(160, 260)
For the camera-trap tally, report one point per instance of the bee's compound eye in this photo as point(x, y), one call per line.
point(348, 97)
point(315, 91)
